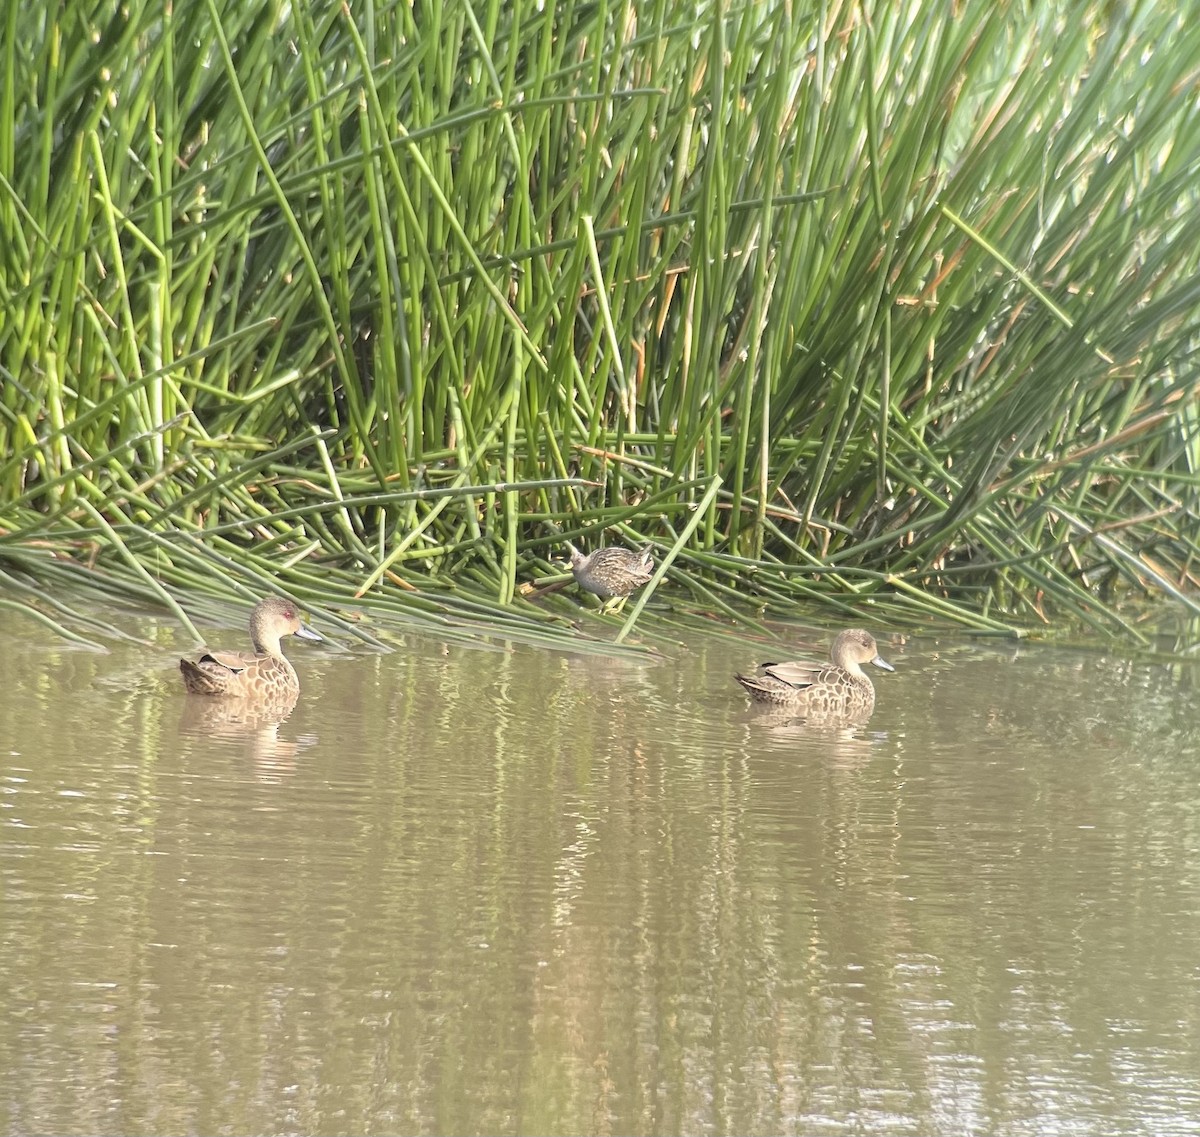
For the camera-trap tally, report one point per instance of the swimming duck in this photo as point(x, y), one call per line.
point(839, 688)
point(263, 673)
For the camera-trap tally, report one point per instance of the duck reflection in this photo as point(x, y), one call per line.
point(255, 721)
point(840, 738)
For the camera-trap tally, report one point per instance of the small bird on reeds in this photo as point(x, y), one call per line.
point(264, 673)
point(612, 573)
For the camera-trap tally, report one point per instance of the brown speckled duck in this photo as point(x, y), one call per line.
point(840, 689)
point(612, 573)
point(261, 674)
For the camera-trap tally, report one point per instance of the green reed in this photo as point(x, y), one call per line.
point(839, 305)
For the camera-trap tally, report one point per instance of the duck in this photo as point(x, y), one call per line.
point(612, 573)
point(264, 673)
point(837, 689)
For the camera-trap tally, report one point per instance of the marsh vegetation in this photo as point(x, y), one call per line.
point(831, 304)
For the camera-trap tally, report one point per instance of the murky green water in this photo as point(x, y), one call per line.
point(514, 891)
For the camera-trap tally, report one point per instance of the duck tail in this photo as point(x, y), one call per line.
point(196, 680)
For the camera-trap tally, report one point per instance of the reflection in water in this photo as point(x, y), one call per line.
point(508, 890)
point(841, 741)
point(256, 722)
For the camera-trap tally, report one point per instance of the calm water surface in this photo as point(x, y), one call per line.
point(516, 891)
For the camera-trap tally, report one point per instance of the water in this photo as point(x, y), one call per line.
point(520, 891)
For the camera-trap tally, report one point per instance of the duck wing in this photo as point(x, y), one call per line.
point(234, 661)
point(795, 673)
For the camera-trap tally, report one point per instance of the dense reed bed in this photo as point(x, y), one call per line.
point(836, 304)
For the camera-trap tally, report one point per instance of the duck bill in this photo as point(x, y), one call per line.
point(879, 661)
point(304, 632)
